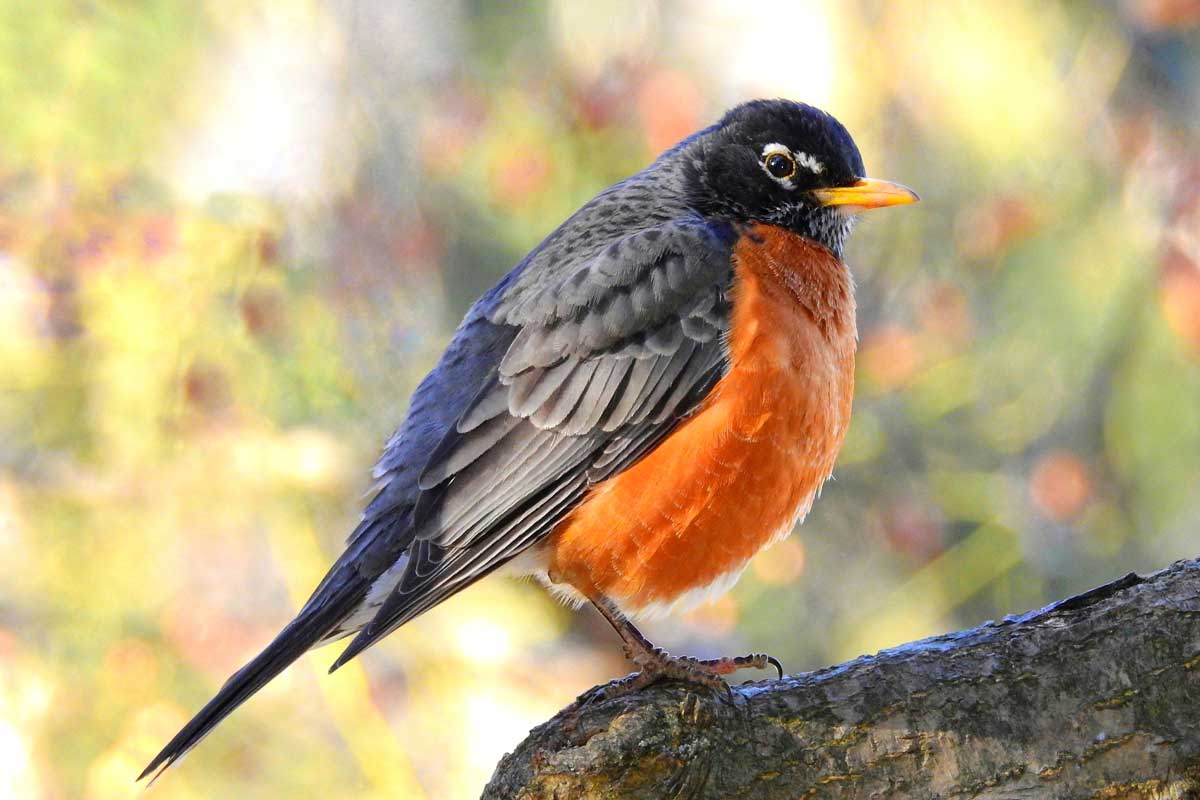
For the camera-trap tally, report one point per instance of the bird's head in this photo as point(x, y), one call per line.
point(786, 164)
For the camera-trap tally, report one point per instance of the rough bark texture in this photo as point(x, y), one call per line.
point(1095, 696)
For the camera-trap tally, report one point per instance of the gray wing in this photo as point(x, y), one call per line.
point(600, 364)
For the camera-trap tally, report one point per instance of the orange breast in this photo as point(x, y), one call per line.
point(737, 474)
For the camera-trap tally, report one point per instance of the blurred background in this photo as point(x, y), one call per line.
point(233, 235)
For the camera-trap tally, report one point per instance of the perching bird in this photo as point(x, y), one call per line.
point(648, 399)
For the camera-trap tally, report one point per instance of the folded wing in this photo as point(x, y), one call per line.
point(604, 361)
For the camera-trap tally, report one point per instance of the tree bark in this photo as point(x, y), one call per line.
point(1096, 696)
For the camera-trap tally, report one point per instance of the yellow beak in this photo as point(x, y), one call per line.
point(867, 193)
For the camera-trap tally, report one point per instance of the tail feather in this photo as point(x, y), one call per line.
point(313, 624)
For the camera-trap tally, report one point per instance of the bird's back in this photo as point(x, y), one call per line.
point(642, 201)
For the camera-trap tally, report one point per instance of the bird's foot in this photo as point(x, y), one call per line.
point(657, 664)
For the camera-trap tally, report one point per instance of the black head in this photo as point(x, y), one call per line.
point(787, 164)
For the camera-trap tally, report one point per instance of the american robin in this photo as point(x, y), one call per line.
point(650, 397)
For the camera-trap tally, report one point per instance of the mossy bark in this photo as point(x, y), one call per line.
point(1095, 696)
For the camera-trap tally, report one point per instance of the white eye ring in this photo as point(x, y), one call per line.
point(801, 159)
point(777, 149)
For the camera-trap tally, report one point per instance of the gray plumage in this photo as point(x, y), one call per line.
point(575, 364)
point(571, 368)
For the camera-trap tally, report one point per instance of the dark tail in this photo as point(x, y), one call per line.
point(314, 622)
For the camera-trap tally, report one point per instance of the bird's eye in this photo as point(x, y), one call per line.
point(780, 165)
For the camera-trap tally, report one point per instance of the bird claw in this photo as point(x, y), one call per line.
point(729, 665)
point(774, 662)
point(613, 689)
point(657, 664)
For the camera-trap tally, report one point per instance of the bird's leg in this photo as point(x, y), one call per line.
point(655, 664)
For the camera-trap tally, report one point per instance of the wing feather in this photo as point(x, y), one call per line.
point(602, 365)
point(600, 392)
point(530, 390)
point(565, 400)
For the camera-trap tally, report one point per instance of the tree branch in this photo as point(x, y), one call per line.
point(1095, 696)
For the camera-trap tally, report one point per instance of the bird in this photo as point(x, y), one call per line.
point(651, 396)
